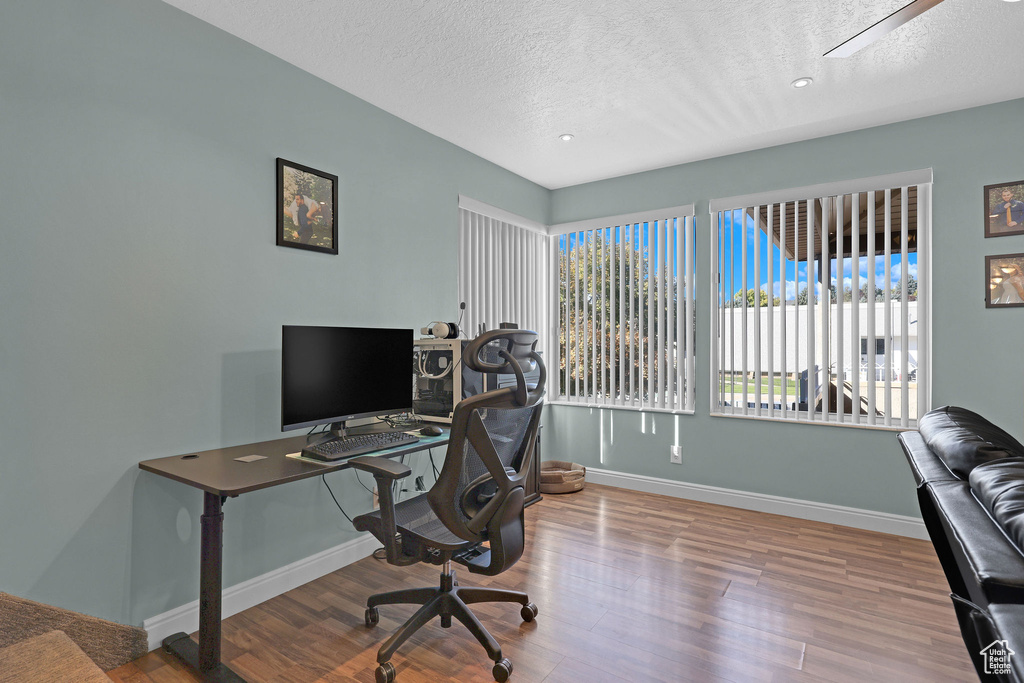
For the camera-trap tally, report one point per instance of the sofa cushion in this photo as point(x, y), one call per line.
point(999, 486)
point(964, 440)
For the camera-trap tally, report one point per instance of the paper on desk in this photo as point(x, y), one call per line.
point(251, 458)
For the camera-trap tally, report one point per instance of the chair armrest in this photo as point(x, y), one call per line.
point(381, 467)
point(385, 472)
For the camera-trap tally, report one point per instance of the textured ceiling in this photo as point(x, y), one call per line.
point(642, 84)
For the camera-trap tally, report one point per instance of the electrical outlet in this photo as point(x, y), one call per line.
point(675, 455)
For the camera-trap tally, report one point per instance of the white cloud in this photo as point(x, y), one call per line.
point(897, 271)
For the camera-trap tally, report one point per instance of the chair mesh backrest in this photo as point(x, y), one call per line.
point(491, 432)
point(507, 429)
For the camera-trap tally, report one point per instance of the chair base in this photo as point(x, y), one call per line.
point(447, 601)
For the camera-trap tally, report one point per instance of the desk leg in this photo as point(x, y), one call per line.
point(204, 658)
point(211, 565)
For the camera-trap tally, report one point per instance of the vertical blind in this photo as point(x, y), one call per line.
point(625, 311)
point(820, 309)
point(503, 266)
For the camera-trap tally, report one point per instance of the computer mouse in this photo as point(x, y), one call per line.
point(431, 430)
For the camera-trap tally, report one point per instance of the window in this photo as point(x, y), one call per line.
point(879, 346)
point(625, 310)
point(804, 278)
point(503, 269)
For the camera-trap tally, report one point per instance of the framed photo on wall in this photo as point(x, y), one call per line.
point(1004, 274)
point(307, 201)
point(1004, 209)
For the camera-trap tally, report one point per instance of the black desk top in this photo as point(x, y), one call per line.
point(216, 471)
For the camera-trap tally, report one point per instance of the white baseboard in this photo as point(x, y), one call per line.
point(259, 589)
point(900, 525)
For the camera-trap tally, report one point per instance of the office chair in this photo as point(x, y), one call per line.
point(477, 499)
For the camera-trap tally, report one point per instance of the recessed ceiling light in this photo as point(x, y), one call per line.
point(802, 82)
point(565, 137)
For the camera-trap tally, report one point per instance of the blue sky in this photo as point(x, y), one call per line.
point(886, 275)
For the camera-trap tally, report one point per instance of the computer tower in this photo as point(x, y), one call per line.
point(436, 378)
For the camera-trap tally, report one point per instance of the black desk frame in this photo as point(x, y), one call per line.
point(220, 477)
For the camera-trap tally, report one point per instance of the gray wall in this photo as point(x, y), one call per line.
point(976, 351)
point(142, 294)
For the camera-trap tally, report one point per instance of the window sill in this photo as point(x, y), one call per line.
point(610, 406)
point(831, 421)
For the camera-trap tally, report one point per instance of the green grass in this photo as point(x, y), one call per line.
point(766, 384)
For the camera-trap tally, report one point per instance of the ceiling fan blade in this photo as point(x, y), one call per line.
point(876, 31)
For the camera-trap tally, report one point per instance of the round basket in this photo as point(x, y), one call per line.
point(558, 476)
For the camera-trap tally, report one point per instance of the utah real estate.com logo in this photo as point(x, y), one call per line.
point(997, 658)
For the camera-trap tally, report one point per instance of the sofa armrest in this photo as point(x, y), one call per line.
point(991, 566)
point(926, 466)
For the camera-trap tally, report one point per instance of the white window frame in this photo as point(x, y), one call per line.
point(724, 335)
point(671, 387)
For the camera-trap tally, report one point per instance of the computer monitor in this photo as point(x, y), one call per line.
point(334, 374)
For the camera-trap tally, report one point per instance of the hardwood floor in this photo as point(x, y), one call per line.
point(631, 587)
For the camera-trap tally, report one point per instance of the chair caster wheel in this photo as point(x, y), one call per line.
point(502, 670)
point(529, 612)
point(385, 673)
point(372, 617)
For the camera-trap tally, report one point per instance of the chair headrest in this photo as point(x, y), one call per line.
point(510, 352)
point(519, 345)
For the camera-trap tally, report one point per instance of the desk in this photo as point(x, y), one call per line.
point(220, 476)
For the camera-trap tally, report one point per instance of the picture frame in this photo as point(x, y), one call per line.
point(316, 227)
point(1004, 209)
point(1004, 279)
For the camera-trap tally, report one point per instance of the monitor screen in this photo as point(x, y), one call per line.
point(332, 374)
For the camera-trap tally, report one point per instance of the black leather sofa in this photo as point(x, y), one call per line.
point(970, 485)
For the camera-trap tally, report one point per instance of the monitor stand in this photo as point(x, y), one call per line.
point(342, 429)
point(336, 430)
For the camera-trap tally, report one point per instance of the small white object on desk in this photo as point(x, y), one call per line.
point(251, 458)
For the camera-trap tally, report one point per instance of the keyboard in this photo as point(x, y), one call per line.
point(349, 446)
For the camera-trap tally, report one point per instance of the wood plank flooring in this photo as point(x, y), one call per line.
point(631, 587)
